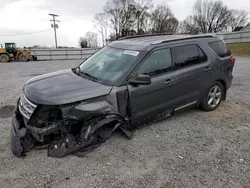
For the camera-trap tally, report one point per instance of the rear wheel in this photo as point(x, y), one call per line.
point(213, 97)
point(23, 57)
point(4, 58)
point(34, 58)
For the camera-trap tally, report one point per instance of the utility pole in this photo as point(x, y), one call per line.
point(54, 25)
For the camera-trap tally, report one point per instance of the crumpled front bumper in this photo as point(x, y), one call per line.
point(21, 139)
point(57, 135)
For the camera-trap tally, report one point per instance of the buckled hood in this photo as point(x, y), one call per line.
point(62, 87)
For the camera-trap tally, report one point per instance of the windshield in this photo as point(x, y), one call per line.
point(10, 45)
point(109, 64)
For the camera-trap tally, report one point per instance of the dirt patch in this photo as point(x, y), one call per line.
point(232, 108)
point(6, 111)
point(228, 110)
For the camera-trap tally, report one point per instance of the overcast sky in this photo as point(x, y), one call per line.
point(25, 16)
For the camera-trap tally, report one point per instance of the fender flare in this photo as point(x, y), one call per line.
point(122, 123)
point(97, 123)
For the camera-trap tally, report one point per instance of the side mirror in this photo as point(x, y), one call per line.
point(141, 79)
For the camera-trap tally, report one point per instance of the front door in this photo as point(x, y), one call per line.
point(148, 100)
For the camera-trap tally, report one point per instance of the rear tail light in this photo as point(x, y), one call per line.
point(232, 59)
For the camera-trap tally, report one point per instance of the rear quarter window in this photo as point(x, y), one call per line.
point(220, 48)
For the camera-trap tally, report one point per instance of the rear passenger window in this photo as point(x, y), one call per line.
point(220, 48)
point(187, 55)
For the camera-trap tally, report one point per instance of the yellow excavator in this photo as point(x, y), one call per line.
point(10, 52)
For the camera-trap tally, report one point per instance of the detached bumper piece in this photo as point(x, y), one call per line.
point(68, 145)
point(21, 139)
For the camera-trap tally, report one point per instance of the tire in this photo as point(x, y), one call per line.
point(213, 97)
point(23, 58)
point(4, 58)
point(34, 58)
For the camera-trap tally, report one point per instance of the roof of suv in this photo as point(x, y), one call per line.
point(141, 42)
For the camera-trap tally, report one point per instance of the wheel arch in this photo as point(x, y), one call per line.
point(4, 54)
point(114, 122)
point(224, 88)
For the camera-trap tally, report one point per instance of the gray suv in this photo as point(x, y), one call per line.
point(127, 83)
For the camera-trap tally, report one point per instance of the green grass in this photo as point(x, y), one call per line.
point(240, 49)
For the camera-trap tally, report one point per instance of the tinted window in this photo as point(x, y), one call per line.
point(156, 63)
point(220, 48)
point(203, 57)
point(188, 55)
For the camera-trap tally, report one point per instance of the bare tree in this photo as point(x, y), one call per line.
point(238, 19)
point(121, 14)
point(91, 39)
point(172, 26)
point(128, 15)
point(144, 23)
point(83, 42)
point(101, 23)
point(142, 16)
point(114, 13)
point(211, 16)
point(112, 37)
point(163, 20)
point(181, 27)
point(189, 26)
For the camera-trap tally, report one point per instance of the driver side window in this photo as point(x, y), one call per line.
point(157, 63)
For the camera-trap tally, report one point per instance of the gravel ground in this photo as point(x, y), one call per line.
point(190, 149)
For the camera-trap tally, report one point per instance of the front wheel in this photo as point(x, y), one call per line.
point(213, 97)
point(34, 58)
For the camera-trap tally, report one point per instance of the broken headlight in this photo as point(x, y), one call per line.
point(26, 107)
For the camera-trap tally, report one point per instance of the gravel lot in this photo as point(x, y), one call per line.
point(191, 149)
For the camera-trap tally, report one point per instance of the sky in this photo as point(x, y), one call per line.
point(22, 17)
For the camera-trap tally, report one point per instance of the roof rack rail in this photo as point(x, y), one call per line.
point(191, 37)
point(146, 35)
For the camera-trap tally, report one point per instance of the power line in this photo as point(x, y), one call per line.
point(74, 19)
point(54, 25)
point(17, 34)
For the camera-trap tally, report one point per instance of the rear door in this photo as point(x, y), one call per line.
point(192, 73)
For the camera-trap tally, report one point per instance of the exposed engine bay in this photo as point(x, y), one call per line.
point(75, 128)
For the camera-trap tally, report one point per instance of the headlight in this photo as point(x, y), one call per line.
point(26, 107)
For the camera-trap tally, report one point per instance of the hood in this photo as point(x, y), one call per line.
point(62, 87)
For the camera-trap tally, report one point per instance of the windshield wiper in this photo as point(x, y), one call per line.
point(89, 76)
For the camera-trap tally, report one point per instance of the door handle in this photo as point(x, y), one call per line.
point(168, 81)
point(207, 69)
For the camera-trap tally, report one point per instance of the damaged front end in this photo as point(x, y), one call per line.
point(75, 128)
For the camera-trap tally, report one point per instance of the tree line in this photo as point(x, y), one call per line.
point(122, 18)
